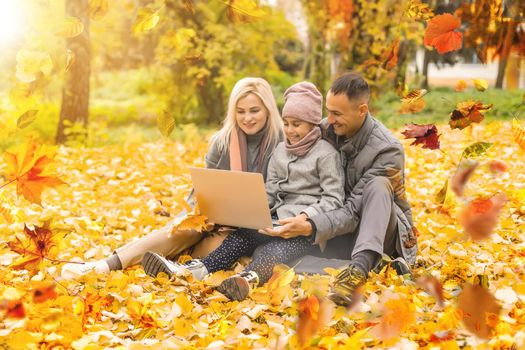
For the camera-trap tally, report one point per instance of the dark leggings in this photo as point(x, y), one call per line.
point(243, 242)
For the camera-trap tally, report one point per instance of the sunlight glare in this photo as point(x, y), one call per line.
point(12, 21)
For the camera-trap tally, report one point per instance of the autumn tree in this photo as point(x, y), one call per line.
point(207, 47)
point(75, 94)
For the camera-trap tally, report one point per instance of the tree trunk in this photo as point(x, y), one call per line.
point(426, 62)
point(502, 65)
point(505, 51)
point(75, 94)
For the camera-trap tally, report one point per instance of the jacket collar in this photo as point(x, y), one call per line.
point(355, 144)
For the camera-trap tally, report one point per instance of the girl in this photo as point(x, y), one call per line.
point(252, 129)
point(305, 177)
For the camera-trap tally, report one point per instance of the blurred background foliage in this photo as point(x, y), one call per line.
point(143, 58)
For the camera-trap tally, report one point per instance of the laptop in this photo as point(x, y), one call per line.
point(232, 198)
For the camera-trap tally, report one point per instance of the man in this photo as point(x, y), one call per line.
point(376, 218)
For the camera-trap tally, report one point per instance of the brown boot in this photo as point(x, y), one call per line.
point(237, 287)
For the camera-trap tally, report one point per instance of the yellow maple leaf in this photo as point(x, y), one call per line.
point(413, 102)
point(480, 84)
point(198, 223)
point(146, 20)
point(29, 167)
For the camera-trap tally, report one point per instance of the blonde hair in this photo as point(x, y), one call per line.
point(274, 123)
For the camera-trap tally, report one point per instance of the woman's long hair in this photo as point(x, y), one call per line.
point(274, 123)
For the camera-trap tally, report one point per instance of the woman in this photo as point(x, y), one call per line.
point(251, 131)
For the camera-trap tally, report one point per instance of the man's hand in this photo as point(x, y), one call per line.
point(290, 228)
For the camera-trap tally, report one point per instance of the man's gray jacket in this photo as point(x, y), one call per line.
point(372, 151)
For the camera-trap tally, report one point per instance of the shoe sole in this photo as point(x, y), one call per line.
point(235, 288)
point(154, 264)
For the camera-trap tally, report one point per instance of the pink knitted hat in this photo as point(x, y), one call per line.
point(303, 101)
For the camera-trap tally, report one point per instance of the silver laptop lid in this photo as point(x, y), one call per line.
point(232, 198)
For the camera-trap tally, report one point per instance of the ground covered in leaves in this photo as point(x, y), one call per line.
point(469, 294)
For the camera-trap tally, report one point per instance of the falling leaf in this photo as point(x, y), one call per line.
point(97, 8)
point(461, 85)
point(413, 102)
point(476, 149)
point(461, 176)
point(433, 287)
point(426, 135)
point(466, 113)
point(69, 28)
point(29, 168)
point(518, 130)
point(34, 247)
point(497, 166)
point(30, 64)
point(398, 315)
point(13, 308)
point(419, 11)
point(44, 291)
point(165, 123)
point(243, 10)
point(314, 314)
point(390, 56)
point(480, 216)
point(476, 303)
point(26, 118)
point(146, 20)
point(440, 33)
point(480, 84)
point(70, 59)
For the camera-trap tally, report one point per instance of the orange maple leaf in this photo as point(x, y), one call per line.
point(480, 216)
point(29, 168)
point(413, 101)
point(440, 33)
point(33, 250)
point(12, 308)
point(44, 291)
point(476, 303)
point(460, 85)
point(389, 56)
point(466, 113)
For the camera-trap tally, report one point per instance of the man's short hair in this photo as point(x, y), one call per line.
point(351, 84)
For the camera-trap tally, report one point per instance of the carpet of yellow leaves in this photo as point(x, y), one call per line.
point(118, 193)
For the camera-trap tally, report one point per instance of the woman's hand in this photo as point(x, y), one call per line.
point(290, 227)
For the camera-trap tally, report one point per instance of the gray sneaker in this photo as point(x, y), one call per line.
point(237, 287)
point(154, 264)
point(399, 264)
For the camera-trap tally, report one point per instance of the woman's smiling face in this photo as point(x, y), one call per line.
point(251, 114)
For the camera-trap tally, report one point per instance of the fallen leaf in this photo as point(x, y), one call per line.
point(279, 283)
point(440, 33)
point(461, 85)
point(480, 216)
point(426, 135)
point(480, 84)
point(466, 113)
point(314, 314)
point(198, 223)
point(461, 176)
point(476, 304)
point(28, 166)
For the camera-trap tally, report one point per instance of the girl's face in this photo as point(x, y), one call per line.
point(295, 129)
point(250, 114)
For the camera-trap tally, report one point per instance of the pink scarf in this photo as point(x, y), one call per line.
point(239, 151)
point(305, 144)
